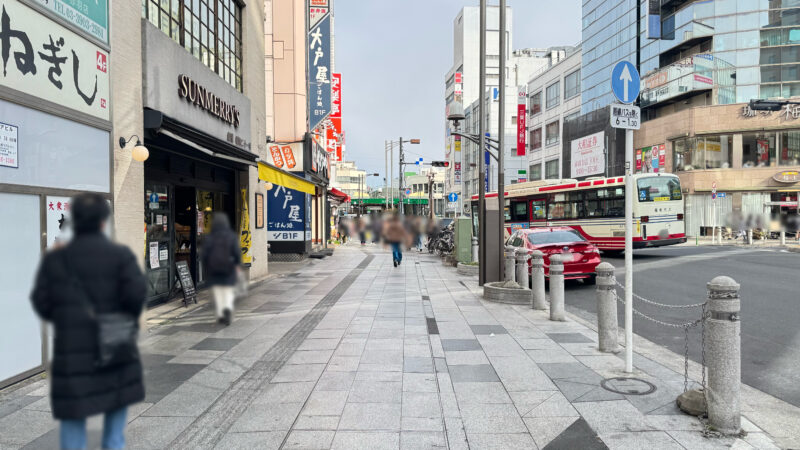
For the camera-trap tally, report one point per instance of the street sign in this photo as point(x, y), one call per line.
point(713, 187)
point(452, 197)
point(628, 117)
point(721, 195)
point(408, 191)
point(625, 82)
point(713, 196)
point(418, 162)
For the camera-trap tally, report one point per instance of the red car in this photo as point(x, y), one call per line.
point(583, 257)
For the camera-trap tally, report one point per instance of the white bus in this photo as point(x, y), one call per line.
point(596, 209)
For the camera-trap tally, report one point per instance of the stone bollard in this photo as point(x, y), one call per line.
point(509, 264)
point(538, 299)
point(606, 309)
point(783, 237)
point(522, 267)
point(750, 237)
point(724, 355)
point(557, 288)
point(474, 249)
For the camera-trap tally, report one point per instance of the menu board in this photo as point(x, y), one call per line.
point(187, 284)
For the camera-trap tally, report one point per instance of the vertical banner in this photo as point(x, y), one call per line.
point(336, 114)
point(244, 231)
point(319, 67)
point(662, 157)
point(522, 100)
point(639, 160)
point(457, 160)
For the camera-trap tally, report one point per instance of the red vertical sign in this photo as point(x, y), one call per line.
point(336, 115)
point(638, 160)
point(662, 158)
point(521, 121)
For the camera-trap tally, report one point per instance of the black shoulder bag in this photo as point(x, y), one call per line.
point(116, 332)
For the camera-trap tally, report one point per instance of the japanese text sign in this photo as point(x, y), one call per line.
point(287, 157)
point(588, 157)
point(51, 62)
point(286, 214)
point(9, 138)
point(91, 16)
point(319, 66)
point(521, 116)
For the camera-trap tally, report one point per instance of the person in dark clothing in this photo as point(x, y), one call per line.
point(222, 255)
point(109, 280)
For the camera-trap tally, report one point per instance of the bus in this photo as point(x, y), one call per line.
point(596, 209)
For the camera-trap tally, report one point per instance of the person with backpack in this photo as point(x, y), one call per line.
point(221, 256)
point(92, 291)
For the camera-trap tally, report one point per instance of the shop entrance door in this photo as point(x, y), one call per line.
point(186, 227)
point(157, 246)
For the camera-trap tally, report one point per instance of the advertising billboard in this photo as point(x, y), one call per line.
point(588, 156)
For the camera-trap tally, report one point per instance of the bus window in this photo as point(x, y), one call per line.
point(605, 202)
point(539, 211)
point(568, 205)
point(657, 189)
point(519, 212)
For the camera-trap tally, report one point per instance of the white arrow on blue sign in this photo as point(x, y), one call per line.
point(625, 82)
point(453, 197)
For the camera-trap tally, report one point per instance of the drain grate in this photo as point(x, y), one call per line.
point(426, 297)
point(433, 327)
point(628, 386)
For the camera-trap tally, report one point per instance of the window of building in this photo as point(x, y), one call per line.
point(551, 133)
point(553, 94)
point(536, 138)
point(758, 149)
point(708, 152)
point(790, 149)
point(535, 103)
point(551, 170)
point(211, 30)
point(572, 84)
point(572, 116)
point(536, 172)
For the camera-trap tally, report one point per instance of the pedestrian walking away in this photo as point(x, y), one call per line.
point(222, 257)
point(395, 234)
point(92, 291)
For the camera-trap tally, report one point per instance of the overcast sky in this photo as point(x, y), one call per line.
point(394, 55)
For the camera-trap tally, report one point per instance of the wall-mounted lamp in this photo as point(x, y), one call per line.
point(139, 152)
point(268, 186)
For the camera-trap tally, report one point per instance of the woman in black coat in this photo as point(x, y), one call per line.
point(109, 277)
point(221, 256)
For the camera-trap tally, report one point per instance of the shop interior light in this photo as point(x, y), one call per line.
point(139, 152)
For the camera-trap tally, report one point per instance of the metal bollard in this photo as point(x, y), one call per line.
point(783, 237)
point(724, 355)
point(522, 267)
point(606, 309)
point(538, 299)
point(509, 264)
point(557, 288)
point(474, 249)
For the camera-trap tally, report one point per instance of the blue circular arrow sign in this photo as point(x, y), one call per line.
point(625, 82)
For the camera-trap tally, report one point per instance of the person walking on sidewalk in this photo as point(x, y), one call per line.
point(78, 287)
point(395, 234)
point(221, 257)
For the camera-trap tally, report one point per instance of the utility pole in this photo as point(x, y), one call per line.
point(400, 186)
point(501, 116)
point(482, 148)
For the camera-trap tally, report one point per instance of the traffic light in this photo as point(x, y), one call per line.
point(440, 163)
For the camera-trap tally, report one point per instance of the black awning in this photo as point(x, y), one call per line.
point(155, 120)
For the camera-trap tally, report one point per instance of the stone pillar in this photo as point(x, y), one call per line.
point(474, 249)
point(750, 236)
point(783, 237)
point(522, 267)
point(723, 355)
point(606, 309)
point(538, 299)
point(509, 264)
point(557, 288)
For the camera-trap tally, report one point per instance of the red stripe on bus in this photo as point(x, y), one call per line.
point(555, 188)
point(599, 182)
point(585, 183)
point(619, 180)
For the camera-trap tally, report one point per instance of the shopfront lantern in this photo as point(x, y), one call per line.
point(139, 152)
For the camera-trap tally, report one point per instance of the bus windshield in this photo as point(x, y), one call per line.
point(659, 189)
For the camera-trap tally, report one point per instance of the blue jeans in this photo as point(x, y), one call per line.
point(397, 255)
point(73, 432)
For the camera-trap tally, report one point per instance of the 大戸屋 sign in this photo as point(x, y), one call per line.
point(588, 157)
point(48, 61)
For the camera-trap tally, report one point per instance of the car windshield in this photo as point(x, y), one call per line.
point(555, 237)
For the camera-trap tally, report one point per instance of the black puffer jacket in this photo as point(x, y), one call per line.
point(115, 284)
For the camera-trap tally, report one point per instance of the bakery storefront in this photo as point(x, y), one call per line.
point(749, 158)
point(197, 128)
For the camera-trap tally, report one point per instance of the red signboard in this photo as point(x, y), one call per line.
point(638, 160)
point(662, 157)
point(336, 134)
point(336, 95)
point(521, 120)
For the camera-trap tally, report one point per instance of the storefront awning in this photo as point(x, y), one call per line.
point(339, 194)
point(274, 175)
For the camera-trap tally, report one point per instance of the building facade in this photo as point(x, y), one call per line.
point(554, 97)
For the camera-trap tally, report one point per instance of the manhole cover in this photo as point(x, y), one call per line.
point(628, 386)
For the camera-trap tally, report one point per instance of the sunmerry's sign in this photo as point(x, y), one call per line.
point(207, 100)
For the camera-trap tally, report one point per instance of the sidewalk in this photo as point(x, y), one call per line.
point(348, 352)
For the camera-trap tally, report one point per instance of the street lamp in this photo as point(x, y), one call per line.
point(362, 182)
